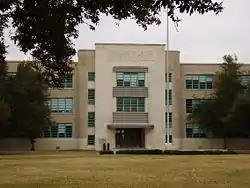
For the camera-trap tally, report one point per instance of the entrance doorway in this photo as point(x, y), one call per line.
point(130, 138)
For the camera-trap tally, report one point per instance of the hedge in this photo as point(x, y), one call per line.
point(106, 152)
point(169, 152)
point(140, 152)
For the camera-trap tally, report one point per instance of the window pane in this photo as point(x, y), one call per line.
point(170, 97)
point(68, 105)
point(134, 78)
point(69, 131)
point(91, 96)
point(91, 139)
point(54, 131)
point(68, 81)
point(126, 104)
point(119, 79)
point(91, 76)
point(134, 105)
point(119, 104)
point(61, 105)
point(188, 105)
point(91, 119)
point(126, 79)
point(141, 104)
point(54, 105)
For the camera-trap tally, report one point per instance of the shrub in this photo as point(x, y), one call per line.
point(198, 152)
point(140, 152)
point(106, 152)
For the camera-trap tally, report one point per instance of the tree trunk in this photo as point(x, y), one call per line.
point(32, 142)
point(224, 143)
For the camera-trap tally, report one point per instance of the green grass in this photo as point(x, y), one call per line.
point(88, 169)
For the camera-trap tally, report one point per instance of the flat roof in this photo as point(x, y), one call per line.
point(135, 44)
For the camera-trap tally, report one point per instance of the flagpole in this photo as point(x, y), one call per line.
point(167, 80)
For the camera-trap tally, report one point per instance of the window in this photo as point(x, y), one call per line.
point(91, 140)
point(191, 103)
point(61, 105)
point(11, 73)
point(245, 80)
point(91, 76)
point(130, 79)
point(130, 104)
point(170, 97)
point(68, 81)
point(91, 119)
point(170, 119)
point(170, 139)
point(91, 96)
point(194, 131)
point(199, 82)
point(169, 77)
point(59, 130)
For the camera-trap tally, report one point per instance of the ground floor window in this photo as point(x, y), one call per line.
point(91, 140)
point(194, 131)
point(170, 139)
point(59, 130)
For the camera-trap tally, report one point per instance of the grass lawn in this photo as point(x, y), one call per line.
point(87, 169)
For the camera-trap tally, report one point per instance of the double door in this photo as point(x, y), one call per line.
point(130, 138)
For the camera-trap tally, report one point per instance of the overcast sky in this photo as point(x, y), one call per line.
point(199, 39)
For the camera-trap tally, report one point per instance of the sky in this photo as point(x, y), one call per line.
point(200, 38)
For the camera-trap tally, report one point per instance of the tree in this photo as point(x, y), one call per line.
point(4, 115)
point(240, 114)
point(30, 115)
point(45, 28)
point(213, 115)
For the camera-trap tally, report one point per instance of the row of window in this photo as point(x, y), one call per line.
point(67, 82)
point(129, 79)
point(192, 131)
point(125, 100)
point(64, 130)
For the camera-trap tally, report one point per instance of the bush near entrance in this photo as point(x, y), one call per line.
point(169, 152)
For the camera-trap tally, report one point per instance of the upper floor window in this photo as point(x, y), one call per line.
point(169, 77)
point(130, 79)
point(199, 82)
point(91, 96)
point(59, 130)
point(170, 119)
point(61, 105)
point(68, 81)
point(191, 103)
point(91, 119)
point(130, 104)
point(194, 131)
point(169, 95)
point(91, 76)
